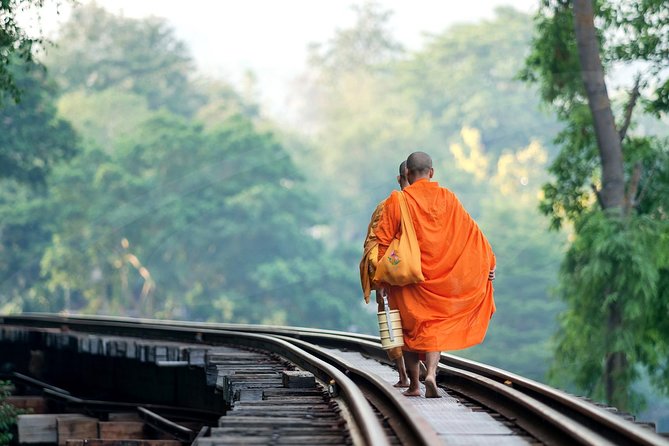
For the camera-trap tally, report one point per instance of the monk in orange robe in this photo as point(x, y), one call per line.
point(368, 268)
point(451, 309)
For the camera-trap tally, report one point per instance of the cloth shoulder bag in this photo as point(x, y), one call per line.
point(400, 265)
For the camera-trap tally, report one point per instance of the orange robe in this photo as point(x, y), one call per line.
point(370, 254)
point(451, 309)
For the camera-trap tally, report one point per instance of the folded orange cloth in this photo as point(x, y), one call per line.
point(370, 254)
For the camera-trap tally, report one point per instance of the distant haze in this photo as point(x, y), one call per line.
point(270, 38)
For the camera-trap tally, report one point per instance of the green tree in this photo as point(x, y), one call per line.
point(465, 76)
point(102, 118)
point(8, 414)
point(181, 218)
point(352, 118)
point(365, 117)
point(527, 257)
point(183, 222)
point(607, 180)
point(97, 51)
point(367, 46)
point(33, 141)
point(223, 101)
point(24, 236)
point(15, 44)
point(32, 137)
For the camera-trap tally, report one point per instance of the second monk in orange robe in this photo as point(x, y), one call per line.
point(451, 309)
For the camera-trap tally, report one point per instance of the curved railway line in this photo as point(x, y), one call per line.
point(350, 399)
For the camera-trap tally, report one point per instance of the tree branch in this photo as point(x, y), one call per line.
point(597, 194)
point(630, 196)
point(629, 108)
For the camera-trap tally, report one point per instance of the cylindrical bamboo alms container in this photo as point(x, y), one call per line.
point(384, 332)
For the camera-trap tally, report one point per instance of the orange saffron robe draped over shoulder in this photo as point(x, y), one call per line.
point(370, 254)
point(451, 309)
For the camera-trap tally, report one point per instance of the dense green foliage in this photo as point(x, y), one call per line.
point(33, 141)
point(98, 51)
point(8, 414)
point(181, 221)
point(192, 213)
point(32, 137)
point(367, 117)
point(614, 276)
point(631, 258)
point(15, 44)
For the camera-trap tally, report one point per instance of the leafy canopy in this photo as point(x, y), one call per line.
point(612, 276)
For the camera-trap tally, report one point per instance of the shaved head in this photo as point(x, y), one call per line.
point(419, 163)
point(402, 179)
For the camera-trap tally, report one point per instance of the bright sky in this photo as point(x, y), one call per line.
point(270, 37)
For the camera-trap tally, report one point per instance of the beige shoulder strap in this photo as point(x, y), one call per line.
point(407, 223)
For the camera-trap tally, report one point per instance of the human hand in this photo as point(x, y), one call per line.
point(491, 274)
point(380, 292)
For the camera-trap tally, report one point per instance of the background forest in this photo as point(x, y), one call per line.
point(131, 184)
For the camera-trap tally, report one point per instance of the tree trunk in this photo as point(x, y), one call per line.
point(612, 194)
point(608, 139)
point(616, 361)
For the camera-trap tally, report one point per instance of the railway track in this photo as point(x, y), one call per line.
point(358, 404)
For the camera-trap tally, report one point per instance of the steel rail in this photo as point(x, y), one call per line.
point(589, 416)
point(266, 329)
point(363, 414)
point(162, 424)
point(98, 406)
point(574, 409)
point(540, 420)
point(414, 429)
point(30, 381)
point(543, 422)
point(612, 426)
point(599, 420)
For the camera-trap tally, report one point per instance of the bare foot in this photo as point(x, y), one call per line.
point(401, 383)
point(412, 392)
point(422, 371)
point(431, 390)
